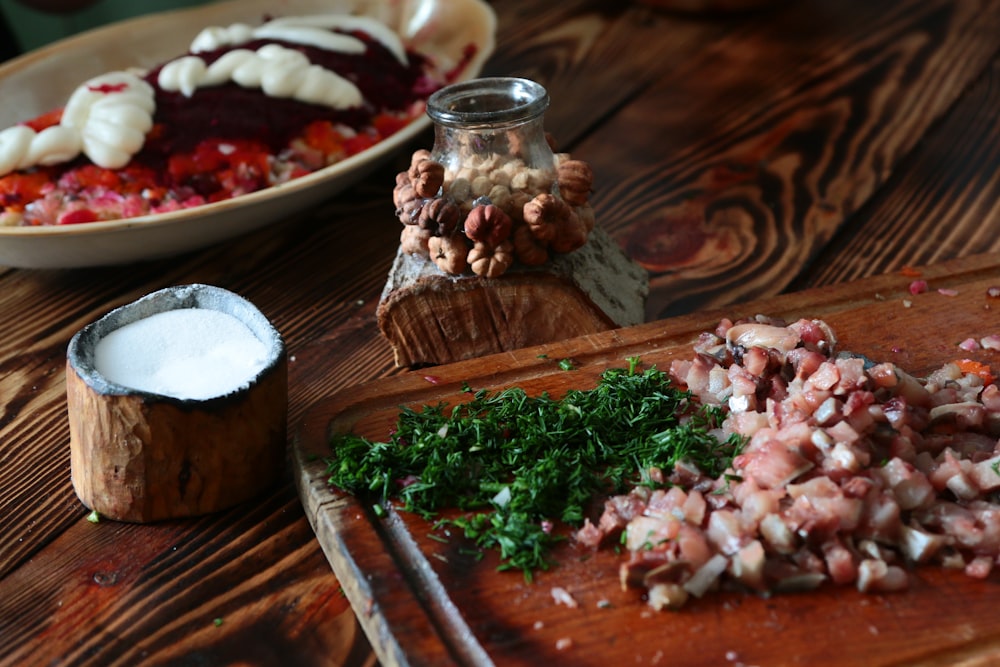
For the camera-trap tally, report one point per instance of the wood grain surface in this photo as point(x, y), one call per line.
point(736, 157)
point(408, 581)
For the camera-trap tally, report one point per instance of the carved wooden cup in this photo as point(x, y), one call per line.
point(140, 456)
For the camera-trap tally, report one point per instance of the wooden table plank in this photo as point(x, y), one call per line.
point(774, 135)
point(126, 592)
point(593, 56)
point(941, 203)
point(668, 109)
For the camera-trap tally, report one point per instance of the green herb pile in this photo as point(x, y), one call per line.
point(515, 464)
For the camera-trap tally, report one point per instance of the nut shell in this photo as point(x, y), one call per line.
point(488, 224)
point(427, 177)
point(576, 180)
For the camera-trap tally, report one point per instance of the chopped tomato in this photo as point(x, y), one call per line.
point(207, 159)
point(219, 195)
point(21, 188)
point(136, 179)
point(90, 175)
point(970, 366)
point(220, 159)
point(298, 172)
point(155, 133)
point(324, 137)
point(49, 119)
point(77, 216)
point(389, 124)
point(358, 143)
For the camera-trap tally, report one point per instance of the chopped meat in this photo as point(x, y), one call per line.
point(852, 471)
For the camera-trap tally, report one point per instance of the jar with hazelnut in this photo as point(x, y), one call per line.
point(490, 138)
point(491, 191)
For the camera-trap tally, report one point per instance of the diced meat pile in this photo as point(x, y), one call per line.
point(852, 472)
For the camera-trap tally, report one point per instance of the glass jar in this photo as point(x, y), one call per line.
point(491, 193)
point(490, 138)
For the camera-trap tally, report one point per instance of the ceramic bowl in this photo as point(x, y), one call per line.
point(43, 80)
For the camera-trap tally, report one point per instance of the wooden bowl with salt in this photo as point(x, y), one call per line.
point(178, 405)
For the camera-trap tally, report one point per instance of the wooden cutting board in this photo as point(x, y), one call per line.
point(424, 602)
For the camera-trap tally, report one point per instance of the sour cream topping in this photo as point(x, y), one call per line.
point(106, 119)
point(313, 30)
point(278, 71)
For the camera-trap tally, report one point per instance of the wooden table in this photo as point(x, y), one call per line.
point(736, 158)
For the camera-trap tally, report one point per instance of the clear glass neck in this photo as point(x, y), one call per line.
point(488, 103)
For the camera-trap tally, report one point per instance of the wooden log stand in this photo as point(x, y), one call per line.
point(432, 317)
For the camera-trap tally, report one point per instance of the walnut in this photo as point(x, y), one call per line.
point(571, 234)
point(576, 179)
point(516, 208)
point(413, 240)
point(488, 224)
point(449, 253)
point(419, 156)
point(427, 177)
point(544, 214)
point(439, 216)
point(528, 250)
point(491, 261)
point(403, 192)
point(409, 212)
point(586, 213)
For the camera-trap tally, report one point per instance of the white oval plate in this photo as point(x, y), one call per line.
point(43, 80)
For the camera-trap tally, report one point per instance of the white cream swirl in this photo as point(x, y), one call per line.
point(21, 147)
point(216, 37)
point(113, 113)
point(278, 71)
point(106, 118)
point(312, 30)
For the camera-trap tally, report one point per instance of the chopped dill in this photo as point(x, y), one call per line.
point(513, 464)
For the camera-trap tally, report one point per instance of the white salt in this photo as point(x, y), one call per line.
point(191, 353)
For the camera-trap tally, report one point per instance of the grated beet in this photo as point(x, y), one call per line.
point(232, 112)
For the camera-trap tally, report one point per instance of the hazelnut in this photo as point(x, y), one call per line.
point(528, 250)
point(459, 189)
point(481, 186)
